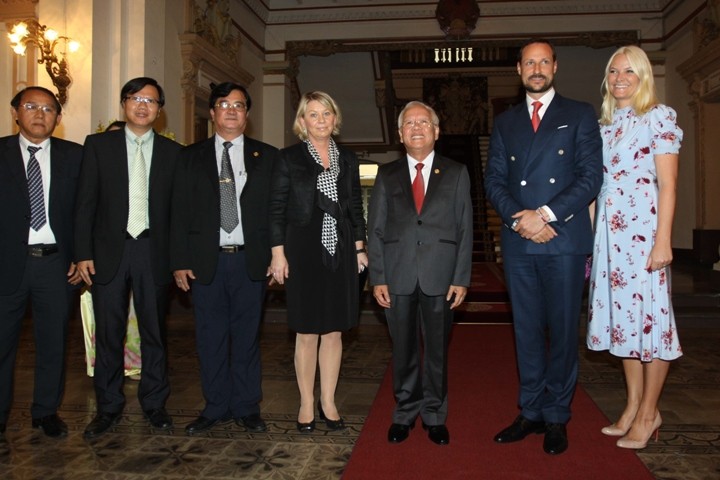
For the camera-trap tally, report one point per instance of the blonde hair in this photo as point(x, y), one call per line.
point(326, 101)
point(644, 97)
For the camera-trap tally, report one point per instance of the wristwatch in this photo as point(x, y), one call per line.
point(514, 224)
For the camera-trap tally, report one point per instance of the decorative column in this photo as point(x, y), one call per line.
point(702, 72)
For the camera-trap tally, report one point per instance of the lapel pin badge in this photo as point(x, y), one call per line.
point(437, 170)
point(256, 154)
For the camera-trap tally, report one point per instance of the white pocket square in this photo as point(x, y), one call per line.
point(562, 126)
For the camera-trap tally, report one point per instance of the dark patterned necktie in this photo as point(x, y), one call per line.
point(35, 187)
point(228, 198)
point(418, 187)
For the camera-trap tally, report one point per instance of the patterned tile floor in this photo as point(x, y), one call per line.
point(689, 446)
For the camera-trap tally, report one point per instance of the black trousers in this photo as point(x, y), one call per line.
point(420, 330)
point(45, 285)
point(110, 303)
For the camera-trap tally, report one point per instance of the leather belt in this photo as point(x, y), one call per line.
point(42, 250)
point(232, 248)
point(144, 234)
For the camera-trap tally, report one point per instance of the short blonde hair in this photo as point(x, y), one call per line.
point(326, 101)
point(644, 97)
point(415, 103)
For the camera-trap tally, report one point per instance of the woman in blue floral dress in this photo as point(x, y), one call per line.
point(630, 311)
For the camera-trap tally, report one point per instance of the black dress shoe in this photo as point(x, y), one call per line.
point(159, 418)
point(51, 426)
point(252, 422)
point(203, 424)
point(520, 428)
point(101, 424)
point(556, 441)
point(437, 433)
point(306, 427)
point(399, 432)
point(331, 424)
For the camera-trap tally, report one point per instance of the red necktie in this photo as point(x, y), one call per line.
point(418, 187)
point(535, 117)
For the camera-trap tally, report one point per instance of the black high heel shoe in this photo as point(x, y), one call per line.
point(331, 424)
point(306, 427)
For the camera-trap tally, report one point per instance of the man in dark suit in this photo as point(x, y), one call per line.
point(122, 242)
point(544, 168)
point(38, 179)
point(220, 247)
point(420, 252)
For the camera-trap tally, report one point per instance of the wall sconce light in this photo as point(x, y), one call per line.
point(46, 40)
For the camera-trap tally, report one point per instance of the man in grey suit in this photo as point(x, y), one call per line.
point(420, 253)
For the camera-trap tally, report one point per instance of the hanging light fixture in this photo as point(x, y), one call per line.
point(47, 41)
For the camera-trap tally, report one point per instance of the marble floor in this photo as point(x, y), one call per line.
point(689, 445)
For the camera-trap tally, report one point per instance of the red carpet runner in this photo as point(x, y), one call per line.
point(487, 300)
point(483, 394)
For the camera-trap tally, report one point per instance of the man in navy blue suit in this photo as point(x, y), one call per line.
point(544, 169)
point(220, 247)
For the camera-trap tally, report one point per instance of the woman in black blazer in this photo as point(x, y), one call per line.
point(317, 234)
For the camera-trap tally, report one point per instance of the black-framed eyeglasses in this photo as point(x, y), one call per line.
point(225, 105)
point(34, 107)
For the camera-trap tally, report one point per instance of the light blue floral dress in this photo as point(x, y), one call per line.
point(630, 310)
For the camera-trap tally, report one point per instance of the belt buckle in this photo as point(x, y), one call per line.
point(35, 252)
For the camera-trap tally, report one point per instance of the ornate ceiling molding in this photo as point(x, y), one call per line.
point(601, 39)
point(332, 11)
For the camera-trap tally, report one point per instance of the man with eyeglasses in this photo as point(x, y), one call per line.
point(38, 180)
point(220, 250)
point(122, 242)
point(420, 251)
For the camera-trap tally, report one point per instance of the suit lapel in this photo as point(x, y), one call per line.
point(209, 165)
point(16, 167)
point(436, 176)
point(57, 173)
point(546, 132)
point(252, 155)
point(157, 162)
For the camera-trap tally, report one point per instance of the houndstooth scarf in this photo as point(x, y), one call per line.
point(328, 202)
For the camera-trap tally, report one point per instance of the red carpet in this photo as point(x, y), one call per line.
point(483, 394)
point(487, 300)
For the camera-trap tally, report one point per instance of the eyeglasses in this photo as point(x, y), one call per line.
point(225, 105)
point(34, 107)
point(150, 102)
point(417, 123)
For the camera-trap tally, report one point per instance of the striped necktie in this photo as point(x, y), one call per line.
point(35, 188)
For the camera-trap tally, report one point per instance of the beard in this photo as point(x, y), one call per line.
point(542, 88)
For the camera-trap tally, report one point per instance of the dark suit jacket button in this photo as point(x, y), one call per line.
point(419, 243)
point(419, 222)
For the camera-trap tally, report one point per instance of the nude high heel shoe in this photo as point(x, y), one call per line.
point(625, 442)
point(614, 431)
